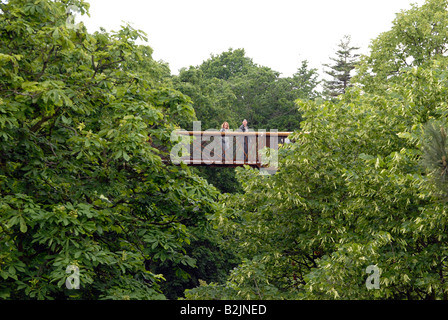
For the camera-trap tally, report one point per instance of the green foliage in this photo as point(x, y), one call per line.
point(84, 122)
point(434, 158)
point(223, 178)
point(340, 71)
point(249, 281)
point(366, 187)
point(212, 98)
point(211, 264)
point(348, 195)
point(227, 65)
point(230, 87)
point(418, 37)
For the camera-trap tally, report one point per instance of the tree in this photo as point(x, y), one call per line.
point(213, 98)
point(304, 82)
point(340, 71)
point(418, 37)
point(84, 122)
point(434, 159)
point(365, 188)
point(230, 87)
point(227, 64)
point(285, 115)
point(256, 97)
point(339, 203)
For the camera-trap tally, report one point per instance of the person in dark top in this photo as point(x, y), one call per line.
point(245, 128)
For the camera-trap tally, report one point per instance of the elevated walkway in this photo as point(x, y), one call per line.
point(227, 149)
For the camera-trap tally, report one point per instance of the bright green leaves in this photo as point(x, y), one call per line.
point(418, 36)
point(350, 193)
point(9, 64)
point(17, 212)
point(84, 122)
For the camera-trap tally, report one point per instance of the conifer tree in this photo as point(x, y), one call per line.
point(340, 71)
point(435, 156)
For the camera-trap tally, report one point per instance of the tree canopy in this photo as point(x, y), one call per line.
point(365, 188)
point(231, 87)
point(83, 124)
point(85, 128)
point(341, 71)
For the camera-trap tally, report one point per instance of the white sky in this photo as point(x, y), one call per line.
point(278, 34)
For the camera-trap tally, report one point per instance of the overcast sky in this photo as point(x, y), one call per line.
point(278, 34)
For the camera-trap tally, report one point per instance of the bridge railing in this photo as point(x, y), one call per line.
point(231, 148)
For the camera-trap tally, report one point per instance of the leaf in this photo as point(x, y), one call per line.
point(56, 34)
point(23, 226)
point(13, 220)
point(125, 156)
point(66, 120)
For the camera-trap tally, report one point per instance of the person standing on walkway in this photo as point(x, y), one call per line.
point(245, 128)
point(225, 140)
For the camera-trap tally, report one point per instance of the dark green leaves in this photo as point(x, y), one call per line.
point(85, 120)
